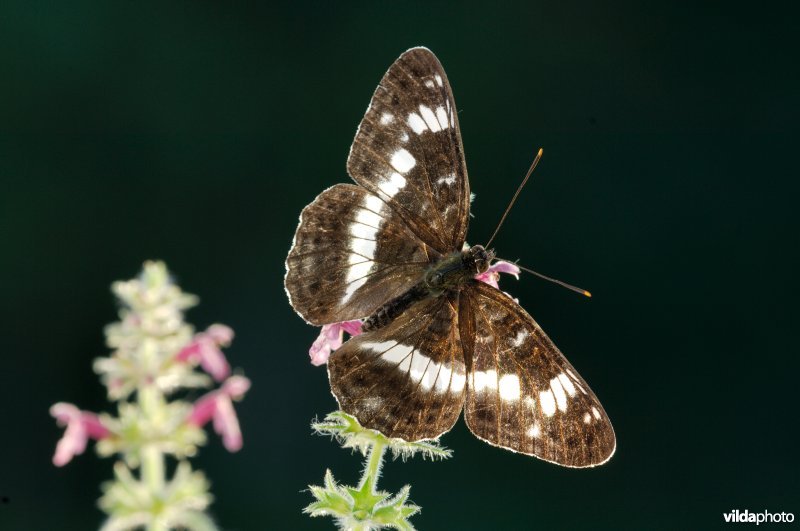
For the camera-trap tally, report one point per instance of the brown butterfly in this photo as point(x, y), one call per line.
point(391, 250)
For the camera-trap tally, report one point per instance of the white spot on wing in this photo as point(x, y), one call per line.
point(403, 161)
point(447, 179)
point(576, 382)
point(484, 380)
point(359, 268)
point(548, 402)
point(373, 403)
point(530, 402)
point(392, 185)
point(519, 339)
point(356, 277)
point(439, 80)
point(566, 383)
point(386, 118)
point(596, 412)
point(449, 379)
point(587, 418)
point(391, 351)
point(441, 117)
point(368, 218)
point(509, 387)
point(458, 382)
point(416, 123)
point(558, 391)
point(450, 114)
point(362, 234)
point(361, 246)
point(422, 370)
point(373, 203)
point(419, 367)
point(430, 118)
point(360, 230)
point(534, 431)
point(429, 83)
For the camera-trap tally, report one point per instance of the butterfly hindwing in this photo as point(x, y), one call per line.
point(407, 379)
point(350, 254)
point(522, 393)
point(408, 151)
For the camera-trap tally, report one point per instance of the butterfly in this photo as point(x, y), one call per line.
point(390, 249)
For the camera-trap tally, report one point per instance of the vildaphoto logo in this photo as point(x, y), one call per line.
point(746, 517)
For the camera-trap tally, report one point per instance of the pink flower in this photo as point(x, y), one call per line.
point(217, 406)
point(492, 275)
point(81, 426)
point(204, 348)
point(330, 338)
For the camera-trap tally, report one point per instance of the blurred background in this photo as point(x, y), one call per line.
point(196, 131)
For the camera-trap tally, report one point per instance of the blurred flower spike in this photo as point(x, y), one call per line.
point(155, 355)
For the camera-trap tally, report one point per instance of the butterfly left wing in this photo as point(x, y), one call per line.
point(407, 379)
point(408, 151)
point(523, 395)
point(350, 254)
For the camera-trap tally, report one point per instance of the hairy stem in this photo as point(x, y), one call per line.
point(369, 480)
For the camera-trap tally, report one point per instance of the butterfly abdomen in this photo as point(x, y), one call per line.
point(389, 311)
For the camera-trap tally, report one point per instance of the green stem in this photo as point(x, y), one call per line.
point(370, 477)
point(366, 497)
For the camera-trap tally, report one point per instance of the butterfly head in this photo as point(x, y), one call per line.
point(477, 259)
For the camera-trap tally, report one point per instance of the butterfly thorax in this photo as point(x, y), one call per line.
point(454, 270)
point(447, 274)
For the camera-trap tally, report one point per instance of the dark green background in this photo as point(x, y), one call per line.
point(195, 132)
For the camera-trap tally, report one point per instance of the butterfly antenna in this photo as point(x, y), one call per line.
point(513, 199)
point(561, 283)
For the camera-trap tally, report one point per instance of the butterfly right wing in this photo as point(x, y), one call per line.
point(351, 253)
point(523, 394)
point(407, 379)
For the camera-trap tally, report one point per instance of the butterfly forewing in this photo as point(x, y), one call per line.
point(522, 394)
point(351, 253)
point(406, 380)
point(408, 151)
